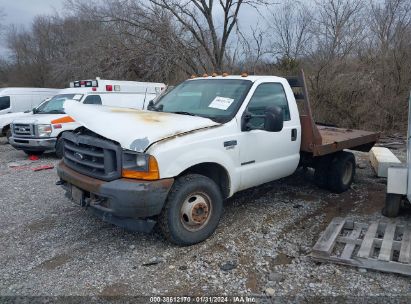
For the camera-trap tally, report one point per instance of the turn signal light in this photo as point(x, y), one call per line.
point(153, 172)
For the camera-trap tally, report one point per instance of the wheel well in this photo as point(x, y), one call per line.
point(215, 172)
point(5, 128)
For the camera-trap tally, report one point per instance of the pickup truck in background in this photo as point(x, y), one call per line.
point(41, 130)
point(198, 145)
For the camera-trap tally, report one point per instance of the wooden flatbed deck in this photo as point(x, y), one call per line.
point(337, 139)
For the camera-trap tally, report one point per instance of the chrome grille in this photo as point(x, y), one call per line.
point(92, 156)
point(24, 130)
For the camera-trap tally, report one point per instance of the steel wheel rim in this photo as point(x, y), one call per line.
point(196, 210)
point(348, 168)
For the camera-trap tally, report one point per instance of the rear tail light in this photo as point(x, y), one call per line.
point(109, 87)
point(94, 89)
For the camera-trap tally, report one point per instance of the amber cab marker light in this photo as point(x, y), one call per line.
point(152, 174)
point(205, 75)
point(215, 75)
point(225, 74)
point(244, 74)
point(193, 76)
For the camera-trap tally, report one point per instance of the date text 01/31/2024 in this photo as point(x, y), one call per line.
point(204, 299)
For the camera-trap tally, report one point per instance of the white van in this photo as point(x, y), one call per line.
point(41, 131)
point(23, 99)
point(15, 101)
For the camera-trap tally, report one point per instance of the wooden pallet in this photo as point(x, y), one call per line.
point(383, 246)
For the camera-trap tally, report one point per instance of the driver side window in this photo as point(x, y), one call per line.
point(267, 94)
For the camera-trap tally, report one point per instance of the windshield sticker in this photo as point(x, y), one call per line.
point(222, 103)
point(77, 97)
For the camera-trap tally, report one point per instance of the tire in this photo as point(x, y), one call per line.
point(59, 147)
point(28, 152)
point(341, 172)
point(392, 205)
point(321, 171)
point(177, 221)
point(8, 135)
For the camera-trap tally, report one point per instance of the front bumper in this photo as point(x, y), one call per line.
point(123, 202)
point(33, 144)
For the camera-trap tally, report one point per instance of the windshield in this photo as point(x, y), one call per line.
point(217, 99)
point(55, 104)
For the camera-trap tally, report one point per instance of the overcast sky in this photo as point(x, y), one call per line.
point(23, 11)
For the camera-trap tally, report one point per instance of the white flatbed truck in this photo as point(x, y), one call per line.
point(198, 145)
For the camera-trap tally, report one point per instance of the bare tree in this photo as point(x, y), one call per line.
point(290, 27)
point(198, 17)
point(338, 26)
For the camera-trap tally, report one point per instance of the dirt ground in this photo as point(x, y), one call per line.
point(51, 247)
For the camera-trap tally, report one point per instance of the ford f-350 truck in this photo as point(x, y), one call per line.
point(199, 144)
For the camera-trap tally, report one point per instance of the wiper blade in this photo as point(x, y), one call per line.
point(54, 112)
point(184, 113)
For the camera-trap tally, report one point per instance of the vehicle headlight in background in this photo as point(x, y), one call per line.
point(140, 166)
point(43, 130)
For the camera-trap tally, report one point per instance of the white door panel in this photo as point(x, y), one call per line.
point(267, 156)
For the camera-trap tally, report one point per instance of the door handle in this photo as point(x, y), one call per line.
point(293, 134)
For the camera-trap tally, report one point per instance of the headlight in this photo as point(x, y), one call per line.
point(43, 130)
point(140, 166)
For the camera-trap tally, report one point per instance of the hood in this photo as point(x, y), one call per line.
point(5, 119)
point(134, 129)
point(38, 118)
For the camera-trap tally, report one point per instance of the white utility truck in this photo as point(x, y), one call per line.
point(399, 179)
point(198, 144)
point(15, 101)
point(41, 131)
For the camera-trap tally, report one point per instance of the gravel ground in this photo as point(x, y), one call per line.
point(51, 247)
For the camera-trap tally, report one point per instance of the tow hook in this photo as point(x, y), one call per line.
point(93, 201)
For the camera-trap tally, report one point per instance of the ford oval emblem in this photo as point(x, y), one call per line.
point(79, 156)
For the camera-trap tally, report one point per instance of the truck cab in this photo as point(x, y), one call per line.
point(197, 145)
point(41, 130)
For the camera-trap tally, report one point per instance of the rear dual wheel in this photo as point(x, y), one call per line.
point(335, 173)
point(192, 211)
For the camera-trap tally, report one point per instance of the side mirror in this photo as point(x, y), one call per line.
point(270, 121)
point(274, 119)
point(150, 105)
point(34, 110)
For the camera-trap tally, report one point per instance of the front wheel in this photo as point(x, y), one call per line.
point(8, 135)
point(59, 147)
point(192, 211)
